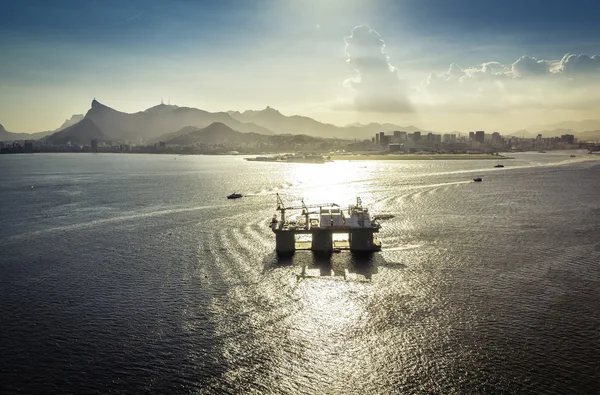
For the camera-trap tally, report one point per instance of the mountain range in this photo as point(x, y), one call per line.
point(588, 135)
point(574, 126)
point(296, 124)
point(5, 135)
point(165, 122)
point(151, 124)
point(168, 122)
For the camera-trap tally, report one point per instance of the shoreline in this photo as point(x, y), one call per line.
point(420, 157)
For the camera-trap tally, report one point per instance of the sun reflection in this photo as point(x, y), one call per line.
point(335, 182)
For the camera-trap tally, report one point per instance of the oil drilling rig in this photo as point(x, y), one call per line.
point(322, 224)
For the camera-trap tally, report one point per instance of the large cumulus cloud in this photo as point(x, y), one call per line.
point(527, 66)
point(571, 82)
point(572, 64)
point(376, 85)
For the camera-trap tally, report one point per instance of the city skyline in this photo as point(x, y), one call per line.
point(442, 67)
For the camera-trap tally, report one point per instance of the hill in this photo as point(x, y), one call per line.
point(220, 134)
point(215, 133)
point(81, 133)
point(522, 133)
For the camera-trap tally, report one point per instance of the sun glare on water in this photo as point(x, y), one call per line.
point(337, 182)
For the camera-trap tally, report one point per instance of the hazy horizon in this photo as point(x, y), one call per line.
point(438, 66)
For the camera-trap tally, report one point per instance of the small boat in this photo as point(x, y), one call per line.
point(478, 179)
point(572, 156)
point(499, 165)
point(234, 196)
point(336, 250)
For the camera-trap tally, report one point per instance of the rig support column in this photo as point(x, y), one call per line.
point(322, 240)
point(285, 242)
point(361, 240)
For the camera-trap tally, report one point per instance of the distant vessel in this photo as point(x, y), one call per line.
point(572, 156)
point(542, 151)
point(499, 165)
point(234, 196)
point(478, 179)
point(291, 159)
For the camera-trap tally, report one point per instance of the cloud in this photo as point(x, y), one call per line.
point(376, 85)
point(572, 82)
point(136, 16)
point(572, 64)
point(527, 66)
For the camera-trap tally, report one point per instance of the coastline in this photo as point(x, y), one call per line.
point(420, 157)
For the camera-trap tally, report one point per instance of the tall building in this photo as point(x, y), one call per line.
point(399, 135)
point(449, 138)
point(376, 138)
point(567, 138)
point(480, 136)
point(471, 136)
point(94, 145)
point(417, 136)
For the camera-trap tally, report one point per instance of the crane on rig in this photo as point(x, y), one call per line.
point(303, 206)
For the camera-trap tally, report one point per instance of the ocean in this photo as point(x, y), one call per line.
point(133, 274)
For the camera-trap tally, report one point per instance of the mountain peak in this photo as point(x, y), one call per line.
point(80, 133)
point(217, 125)
point(96, 105)
point(161, 107)
point(269, 109)
point(71, 121)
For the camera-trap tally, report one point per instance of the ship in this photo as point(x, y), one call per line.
point(499, 165)
point(321, 223)
point(234, 196)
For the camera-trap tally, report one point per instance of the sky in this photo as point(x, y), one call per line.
point(443, 65)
